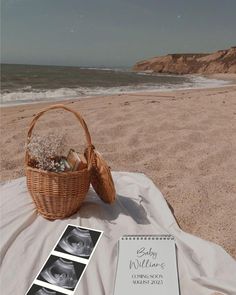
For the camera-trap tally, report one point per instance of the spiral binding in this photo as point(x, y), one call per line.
point(148, 237)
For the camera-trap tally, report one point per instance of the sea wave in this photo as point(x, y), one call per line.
point(105, 69)
point(30, 95)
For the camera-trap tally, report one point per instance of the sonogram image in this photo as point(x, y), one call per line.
point(61, 272)
point(78, 241)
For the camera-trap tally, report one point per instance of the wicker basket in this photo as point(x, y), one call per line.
point(58, 195)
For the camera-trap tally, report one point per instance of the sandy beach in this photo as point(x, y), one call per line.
point(184, 140)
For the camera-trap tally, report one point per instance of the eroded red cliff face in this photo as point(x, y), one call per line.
point(222, 61)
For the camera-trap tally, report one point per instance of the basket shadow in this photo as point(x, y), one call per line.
point(93, 206)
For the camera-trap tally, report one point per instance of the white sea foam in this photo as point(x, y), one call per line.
point(29, 95)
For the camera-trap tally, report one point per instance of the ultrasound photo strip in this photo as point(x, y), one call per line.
point(67, 262)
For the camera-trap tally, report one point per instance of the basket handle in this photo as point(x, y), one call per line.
point(77, 115)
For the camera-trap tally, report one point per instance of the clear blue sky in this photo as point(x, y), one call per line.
point(112, 32)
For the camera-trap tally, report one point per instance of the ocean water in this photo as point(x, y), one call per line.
point(22, 84)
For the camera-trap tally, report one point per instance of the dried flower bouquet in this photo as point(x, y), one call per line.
point(46, 152)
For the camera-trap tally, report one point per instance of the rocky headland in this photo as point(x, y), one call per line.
point(221, 61)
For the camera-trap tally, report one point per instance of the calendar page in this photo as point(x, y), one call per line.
point(147, 265)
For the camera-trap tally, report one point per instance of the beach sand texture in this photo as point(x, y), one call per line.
point(184, 140)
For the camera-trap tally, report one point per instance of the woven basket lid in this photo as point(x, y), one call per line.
point(101, 178)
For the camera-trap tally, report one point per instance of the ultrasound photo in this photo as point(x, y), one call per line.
point(61, 272)
point(64, 271)
point(78, 241)
point(38, 290)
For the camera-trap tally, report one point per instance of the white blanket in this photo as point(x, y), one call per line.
point(27, 239)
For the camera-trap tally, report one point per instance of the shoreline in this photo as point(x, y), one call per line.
point(184, 140)
point(223, 76)
point(135, 93)
point(230, 78)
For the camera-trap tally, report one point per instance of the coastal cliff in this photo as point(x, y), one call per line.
point(221, 61)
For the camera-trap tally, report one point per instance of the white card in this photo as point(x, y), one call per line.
point(147, 265)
